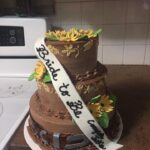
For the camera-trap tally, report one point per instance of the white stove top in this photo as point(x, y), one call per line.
point(16, 63)
point(15, 94)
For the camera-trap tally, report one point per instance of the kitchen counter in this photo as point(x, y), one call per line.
point(132, 86)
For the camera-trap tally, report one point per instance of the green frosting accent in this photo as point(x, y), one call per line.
point(95, 99)
point(31, 77)
point(83, 37)
point(104, 120)
point(52, 38)
point(113, 98)
point(98, 32)
point(46, 78)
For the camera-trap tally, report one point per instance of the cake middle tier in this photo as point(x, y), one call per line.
point(88, 86)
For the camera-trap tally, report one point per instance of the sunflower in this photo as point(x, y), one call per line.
point(72, 34)
point(95, 109)
point(39, 70)
point(106, 104)
point(103, 104)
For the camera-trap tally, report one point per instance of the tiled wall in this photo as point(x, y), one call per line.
point(125, 24)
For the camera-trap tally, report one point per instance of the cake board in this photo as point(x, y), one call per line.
point(35, 146)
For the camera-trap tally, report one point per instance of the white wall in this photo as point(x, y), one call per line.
point(125, 24)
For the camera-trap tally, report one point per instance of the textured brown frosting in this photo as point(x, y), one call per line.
point(83, 57)
point(87, 89)
point(79, 58)
point(51, 123)
point(99, 70)
point(55, 120)
point(45, 141)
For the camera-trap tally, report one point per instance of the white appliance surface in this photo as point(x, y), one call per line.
point(15, 94)
point(16, 67)
point(16, 63)
point(33, 28)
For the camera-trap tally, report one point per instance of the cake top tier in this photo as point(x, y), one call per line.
point(75, 49)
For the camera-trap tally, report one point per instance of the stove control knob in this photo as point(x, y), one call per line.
point(12, 32)
point(12, 40)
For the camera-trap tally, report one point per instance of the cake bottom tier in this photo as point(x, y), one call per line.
point(62, 141)
point(52, 131)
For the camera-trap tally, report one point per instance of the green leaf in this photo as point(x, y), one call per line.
point(83, 37)
point(104, 120)
point(97, 32)
point(113, 98)
point(31, 77)
point(46, 78)
point(95, 99)
point(52, 38)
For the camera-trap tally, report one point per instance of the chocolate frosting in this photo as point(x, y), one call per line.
point(46, 139)
point(79, 58)
point(87, 89)
point(86, 59)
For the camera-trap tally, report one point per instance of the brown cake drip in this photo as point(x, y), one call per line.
point(77, 57)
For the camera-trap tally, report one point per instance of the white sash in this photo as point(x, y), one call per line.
point(72, 100)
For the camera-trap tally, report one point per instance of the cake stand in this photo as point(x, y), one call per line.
point(35, 146)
